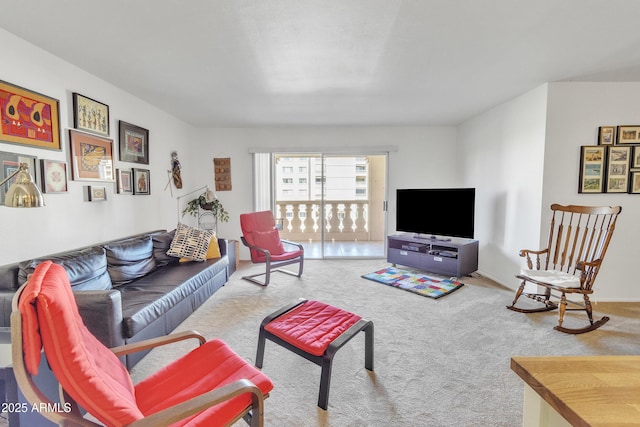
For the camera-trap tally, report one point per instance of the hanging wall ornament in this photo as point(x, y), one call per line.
point(175, 170)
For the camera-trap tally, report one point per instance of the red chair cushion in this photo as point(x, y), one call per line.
point(85, 368)
point(312, 326)
point(209, 366)
point(269, 240)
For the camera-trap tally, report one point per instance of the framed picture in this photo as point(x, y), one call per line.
point(90, 115)
point(141, 181)
point(628, 135)
point(134, 143)
point(618, 159)
point(222, 174)
point(124, 179)
point(91, 157)
point(54, 176)
point(634, 183)
point(29, 118)
point(97, 193)
point(591, 168)
point(635, 161)
point(606, 135)
point(9, 163)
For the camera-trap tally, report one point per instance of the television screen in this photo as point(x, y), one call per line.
point(435, 212)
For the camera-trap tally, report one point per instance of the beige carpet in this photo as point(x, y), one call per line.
point(438, 362)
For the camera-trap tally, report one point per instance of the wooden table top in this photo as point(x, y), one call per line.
point(586, 390)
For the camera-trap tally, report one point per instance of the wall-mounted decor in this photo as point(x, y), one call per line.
point(628, 135)
point(91, 157)
point(141, 181)
point(124, 179)
point(222, 174)
point(9, 163)
point(54, 176)
point(606, 135)
point(635, 161)
point(28, 118)
point(97, 193)
point(90, 115)
point(618, 169)
point(134, 143)
point(634, 185)
point(591, 168)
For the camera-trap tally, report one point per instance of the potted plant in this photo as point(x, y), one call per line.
point(214, 206)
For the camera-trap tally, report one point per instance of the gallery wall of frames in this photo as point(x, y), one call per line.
point(32, 119)
point(613, 165)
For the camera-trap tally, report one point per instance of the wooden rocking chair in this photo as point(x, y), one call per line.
point(578, 240)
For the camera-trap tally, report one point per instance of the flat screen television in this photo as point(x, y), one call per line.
point(433, 212)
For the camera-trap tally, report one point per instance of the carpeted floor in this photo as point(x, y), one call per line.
point(441, 362)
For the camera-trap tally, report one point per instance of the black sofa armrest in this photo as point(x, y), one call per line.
point(101, 312)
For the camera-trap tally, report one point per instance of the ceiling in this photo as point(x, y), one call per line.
point(333, 62)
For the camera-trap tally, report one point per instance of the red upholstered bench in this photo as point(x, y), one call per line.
point(315, 331)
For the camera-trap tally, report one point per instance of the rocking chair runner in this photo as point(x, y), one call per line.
point(263, 239)
point(211, 385)
point(578, 240)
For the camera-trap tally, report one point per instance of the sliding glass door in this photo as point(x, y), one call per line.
point(333, 204)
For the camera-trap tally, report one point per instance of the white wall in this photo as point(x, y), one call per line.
point(501, 154)
point(576, 110)
point(67, 221)
point(425, 156)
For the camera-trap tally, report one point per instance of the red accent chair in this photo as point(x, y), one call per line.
point(262, 238)
point(211, 385)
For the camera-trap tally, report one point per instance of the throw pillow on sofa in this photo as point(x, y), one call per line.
point(190, 243)
point(212, 253)
point(130, 260)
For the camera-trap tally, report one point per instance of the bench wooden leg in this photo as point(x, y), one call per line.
point(368, 346)
point(325, 381)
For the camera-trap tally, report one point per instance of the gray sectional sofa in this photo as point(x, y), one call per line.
point(128, 289)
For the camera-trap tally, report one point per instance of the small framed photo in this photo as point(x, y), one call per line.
point(134, 143)
point(29, 118)
point(90, 115)
point(10, 163)
point(54, 176)
point(628, 135)
point(634, 183)
point(141, 181)
point(635, 161)
point(591, 169)
point(618, 169)
point(97, 193)
point(91, 157)
point(124, 180)
point(606, 135)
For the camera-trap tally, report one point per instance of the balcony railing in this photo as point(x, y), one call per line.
point(346, 220)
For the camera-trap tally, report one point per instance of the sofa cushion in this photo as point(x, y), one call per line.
point(161, 244)
point(150, 297)
point(130, 260)
point(190, 242)
point(87, 268)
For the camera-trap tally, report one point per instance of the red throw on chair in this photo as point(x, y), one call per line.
point(263, 239)
point(211, 385)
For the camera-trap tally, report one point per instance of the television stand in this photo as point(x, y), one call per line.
point(453, 257)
